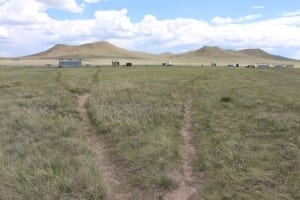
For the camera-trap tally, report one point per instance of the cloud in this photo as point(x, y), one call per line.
point(229, 20)
point(291, 14)
point(113, 23)
point(91, 1)
point(26, 31)
point(258, 7)
point(2, 2)
point(3, 33)
point(40, 5)
point(222, 20)
point(68, 5)
point(15, 13)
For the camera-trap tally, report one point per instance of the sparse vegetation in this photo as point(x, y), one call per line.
point(225, 99)
point(249, 149)
point(140, 111)
point(246, 127)
point(43, 154)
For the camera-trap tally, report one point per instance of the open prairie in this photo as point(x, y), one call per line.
point(102, 53)
point(149, 133)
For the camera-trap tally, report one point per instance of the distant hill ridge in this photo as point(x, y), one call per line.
point(223, 55)
point(100, 49)
point(103, 49)
point(262, 54)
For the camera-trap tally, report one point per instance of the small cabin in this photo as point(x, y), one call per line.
point(115, 63)
point(168, 63)
point(278, 66)
point(69, 62)
point(233, 65)
point(263, 66)
point(290, 65)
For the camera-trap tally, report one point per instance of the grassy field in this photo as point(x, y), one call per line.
point(139, 111)
point(43, 154)
point(246, 129)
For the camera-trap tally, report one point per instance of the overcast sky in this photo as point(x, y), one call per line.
point(30, 26)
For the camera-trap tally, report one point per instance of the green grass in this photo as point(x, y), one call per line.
point(246, 126)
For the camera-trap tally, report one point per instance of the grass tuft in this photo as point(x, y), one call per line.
point(226, 99)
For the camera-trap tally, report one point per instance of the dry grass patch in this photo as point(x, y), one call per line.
point(43, 154)
point(249, 146)
point(140, 111)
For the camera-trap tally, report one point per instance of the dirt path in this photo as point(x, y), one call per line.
point(108, 169)
point(184, 177)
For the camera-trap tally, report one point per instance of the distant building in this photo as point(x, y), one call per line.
point(233, 65)
point(168, 63)
point(290, 65)
point(115, 63)
point(69, 62)
point(279, 66)
point(263, 66)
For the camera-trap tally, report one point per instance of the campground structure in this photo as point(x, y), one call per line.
point(69, 62)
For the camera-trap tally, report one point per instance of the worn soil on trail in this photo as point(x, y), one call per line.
point(188, 185)
point(109, 171)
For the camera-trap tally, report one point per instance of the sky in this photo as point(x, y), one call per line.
point(31, 26)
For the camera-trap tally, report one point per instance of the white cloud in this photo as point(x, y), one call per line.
point(40, 5)
point(16, 13)
point(222, 20)
point(2, 2)
point(229, 20)
point(68, 5)
point(258, 7)
point(3, 33)
point(113, 23)
point(91, 1)
point(291, 14)
point(251, 17)
point(26, 31)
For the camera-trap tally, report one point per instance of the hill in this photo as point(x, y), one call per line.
point(216, 54)
point(167, 54)
point(212, 54)
point(262, 54)
point(100, 49)
point(103, 52)
point(208, 52)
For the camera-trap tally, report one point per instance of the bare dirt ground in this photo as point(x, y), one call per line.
point(113, 179)
point(188, 182)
